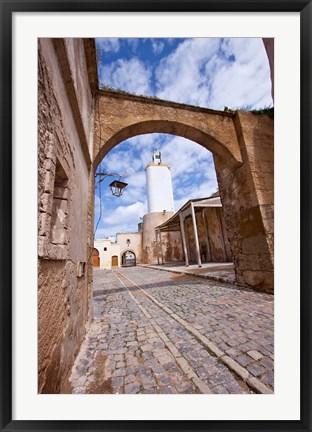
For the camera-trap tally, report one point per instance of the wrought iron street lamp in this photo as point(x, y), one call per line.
point(117, 186)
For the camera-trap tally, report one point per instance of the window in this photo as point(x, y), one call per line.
point(59, 217)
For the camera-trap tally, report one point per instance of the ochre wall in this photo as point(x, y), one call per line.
point(248, 201)
point(211, 231)
point(171, 242)
point(64, 140)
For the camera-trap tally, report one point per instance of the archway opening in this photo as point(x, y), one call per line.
point(128, 259)
point(127, 220)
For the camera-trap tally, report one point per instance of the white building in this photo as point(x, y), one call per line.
point(126, 251)
point(106, 254)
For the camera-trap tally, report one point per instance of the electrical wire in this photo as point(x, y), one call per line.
point(100, 196)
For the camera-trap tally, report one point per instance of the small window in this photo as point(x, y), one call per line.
point(105, 249)
point(60, 207)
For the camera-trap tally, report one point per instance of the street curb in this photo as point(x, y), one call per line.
point(189, 273)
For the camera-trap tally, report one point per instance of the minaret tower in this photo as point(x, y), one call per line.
point(160, 209)
point(159, 186)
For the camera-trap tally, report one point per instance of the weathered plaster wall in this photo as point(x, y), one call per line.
point(213, 243)
point(63, 188)
point(135, 244)
point(171, 242)
point(248, 201)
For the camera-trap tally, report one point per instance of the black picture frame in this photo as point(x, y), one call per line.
point(7, 10)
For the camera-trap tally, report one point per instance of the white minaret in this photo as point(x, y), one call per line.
point(159, 186)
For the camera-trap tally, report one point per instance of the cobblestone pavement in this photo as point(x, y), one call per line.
point(159, 332)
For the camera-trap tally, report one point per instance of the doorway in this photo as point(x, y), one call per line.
point(128, 259)
point(114, 261)
point(96, 258)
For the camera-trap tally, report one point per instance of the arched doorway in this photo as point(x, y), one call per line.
point(114, 261)
point(128, 259)
point(96, 258)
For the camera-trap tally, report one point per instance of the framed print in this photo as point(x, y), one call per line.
point(155, 215)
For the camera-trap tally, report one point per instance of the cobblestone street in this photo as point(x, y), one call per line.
point(161, 332)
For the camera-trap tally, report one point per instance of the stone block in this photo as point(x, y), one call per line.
point(236, 367)
point(255, 244)
point(262, 280)
point(256, 355)
point(44, 224)
point(48, 182)
point(258, 386)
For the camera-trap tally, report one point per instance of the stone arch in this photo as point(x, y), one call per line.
point(122, 255)
point(121, 116)
point(171, 128)
point(242, 145)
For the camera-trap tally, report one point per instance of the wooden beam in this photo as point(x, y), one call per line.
point(196, 236)
point(184, 240)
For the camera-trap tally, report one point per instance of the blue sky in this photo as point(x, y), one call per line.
point(208, 72)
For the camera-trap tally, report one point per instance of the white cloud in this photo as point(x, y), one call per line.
point(129, 75)
point(157, 46)
point(185, 156)
point(179, 75)
point(245, 81)
point(107, 44)
point(133, 42)
point(216, 73)
point(115, 163)
point(126, 215)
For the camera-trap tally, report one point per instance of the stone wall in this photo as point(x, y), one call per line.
point(64, 155)
point(171, 242)
point(269, 47)
point(248, 201)
point(213, 242)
